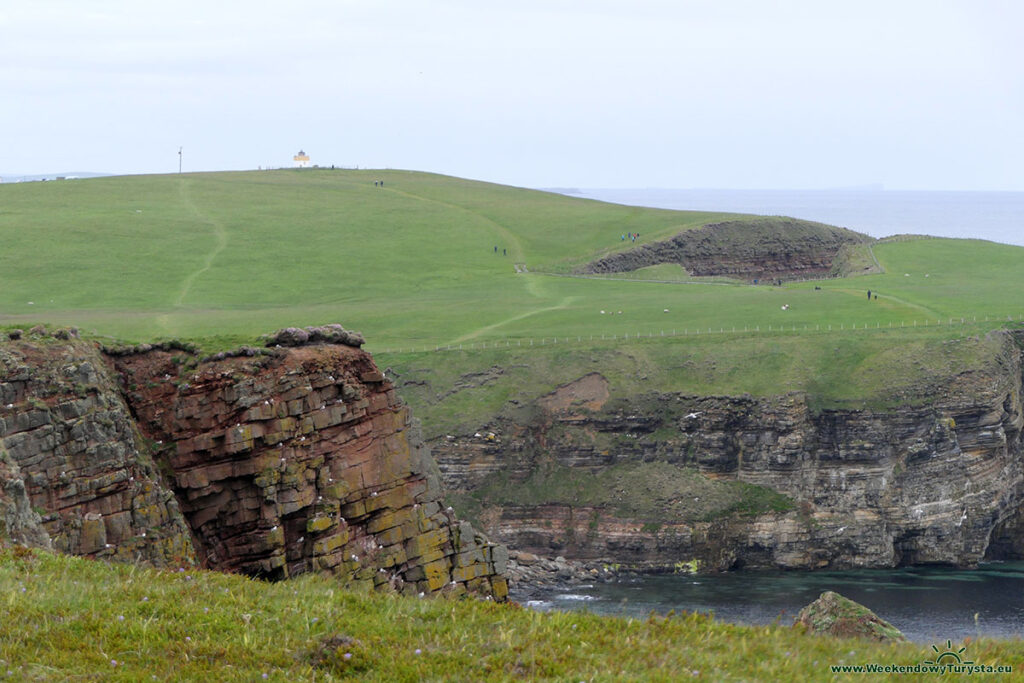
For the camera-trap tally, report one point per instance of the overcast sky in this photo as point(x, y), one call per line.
point(912, 94)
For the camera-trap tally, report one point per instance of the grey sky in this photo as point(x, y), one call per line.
point(913, 94)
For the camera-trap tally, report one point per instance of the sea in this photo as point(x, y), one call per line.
point(929, 604)
point(993, 216)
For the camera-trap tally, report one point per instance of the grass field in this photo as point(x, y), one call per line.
point(223, 257)
point(68, 618)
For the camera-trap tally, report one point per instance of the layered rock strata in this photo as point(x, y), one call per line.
point(765, 249)
point(303, 459)
point(869, 488)
point(306, 460)
point(74, 474)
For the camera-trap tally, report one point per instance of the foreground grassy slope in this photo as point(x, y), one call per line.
point(70, 618)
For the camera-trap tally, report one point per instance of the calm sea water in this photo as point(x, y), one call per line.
point(929, 604)
point(995, 216)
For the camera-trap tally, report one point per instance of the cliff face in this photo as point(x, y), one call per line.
point(74, 474)
point(868, 488)
point(300, 460)
point(761, 249)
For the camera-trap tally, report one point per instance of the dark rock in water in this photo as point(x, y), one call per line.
point(832, 614)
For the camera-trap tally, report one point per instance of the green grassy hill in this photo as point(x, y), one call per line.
point(233, 253)
point(223, 257)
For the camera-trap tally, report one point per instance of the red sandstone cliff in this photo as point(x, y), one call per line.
point(301, 460)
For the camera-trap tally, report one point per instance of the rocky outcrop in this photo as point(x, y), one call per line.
point(303, 459)
point(833, 615)
point(923, 484)
point(74, 473)
point(765, 249)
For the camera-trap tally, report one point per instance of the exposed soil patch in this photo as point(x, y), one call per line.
point(589, 392)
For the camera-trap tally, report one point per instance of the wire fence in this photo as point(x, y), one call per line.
point(520, 342)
